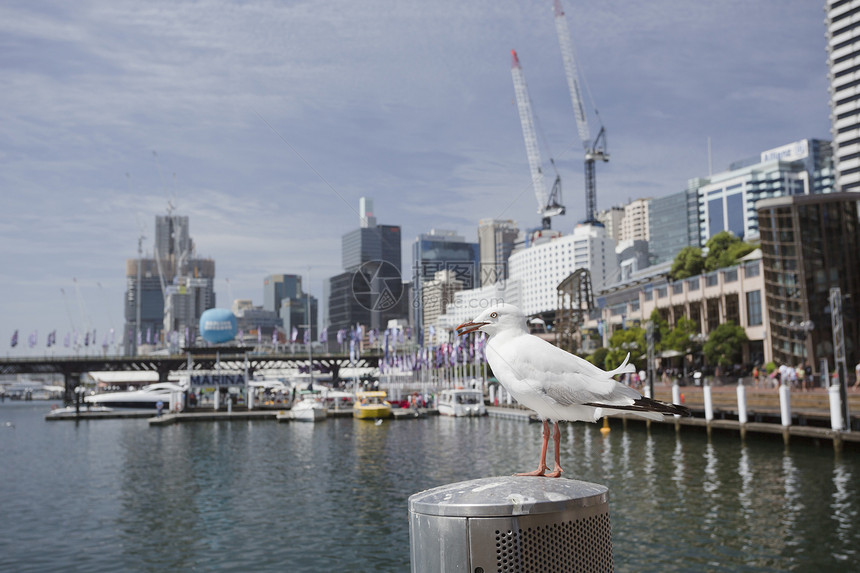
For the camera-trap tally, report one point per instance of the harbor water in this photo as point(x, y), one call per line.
point(110, 495)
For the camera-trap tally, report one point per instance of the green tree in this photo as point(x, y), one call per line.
point(598, 358)
point(724, 249)
point(661, 331)
point(724, 347)
point(680, 338)
point(621, 342)
point(689, 262)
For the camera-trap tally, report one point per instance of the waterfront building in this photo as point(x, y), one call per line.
point(442, 250)
point(673, 224)
point(843, 55)
point(540, 268)
point(730, 294)
point(811, 244)
point(496, 241)
point(727, 199)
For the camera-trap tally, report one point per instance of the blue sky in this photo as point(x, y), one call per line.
point(410, 103)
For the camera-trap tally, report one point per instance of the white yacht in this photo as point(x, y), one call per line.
point(309, 407)
point(461, 402)
point(145, 398)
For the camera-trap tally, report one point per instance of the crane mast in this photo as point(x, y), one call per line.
point(595, 149)
point(548, 203)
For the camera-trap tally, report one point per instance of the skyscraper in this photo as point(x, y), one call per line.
point(843, 51)
point(171, 288)
point(369, 291)
point(496, 241)
point(674, 224)
point(441, 250)
point(278, 287)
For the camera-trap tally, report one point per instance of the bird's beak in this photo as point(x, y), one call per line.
point(469, 327)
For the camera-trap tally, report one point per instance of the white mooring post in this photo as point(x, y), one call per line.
point(709, 403)
point(676, 395)
point(785, 404)
point(742, 402)
point(836, 421)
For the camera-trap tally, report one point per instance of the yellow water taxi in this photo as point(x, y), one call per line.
point(371, 405)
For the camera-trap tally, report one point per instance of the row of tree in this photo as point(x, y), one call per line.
point(723, 346)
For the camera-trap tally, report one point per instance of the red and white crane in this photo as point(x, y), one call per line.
point(548, 203)
point(594, 149)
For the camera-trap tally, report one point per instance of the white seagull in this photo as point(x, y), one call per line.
point(554, 383)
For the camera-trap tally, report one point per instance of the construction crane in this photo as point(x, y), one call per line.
point(594, 149)
point(549, 204)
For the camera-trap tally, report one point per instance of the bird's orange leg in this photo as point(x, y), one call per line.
point(556, 441)
point(542, 466)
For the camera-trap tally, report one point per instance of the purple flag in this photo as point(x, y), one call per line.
point(259, 335)
point(33, 338)
point(324, 335)
point(307, 335)
point(67, 340)
point(15, 339)
point(294, 334)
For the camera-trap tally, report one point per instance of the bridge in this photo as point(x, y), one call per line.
point(199, 359)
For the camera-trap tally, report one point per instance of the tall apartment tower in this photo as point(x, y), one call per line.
point(843, 52)
point(496, 240)
point(634, 225)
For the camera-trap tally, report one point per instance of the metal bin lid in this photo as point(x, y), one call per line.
point(507, 495)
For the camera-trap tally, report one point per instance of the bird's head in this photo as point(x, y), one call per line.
point(494, 320)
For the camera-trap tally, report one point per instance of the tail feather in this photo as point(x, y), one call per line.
point(644, 404)
point(624, 368)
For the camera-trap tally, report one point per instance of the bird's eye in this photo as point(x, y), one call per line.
point(494, 315)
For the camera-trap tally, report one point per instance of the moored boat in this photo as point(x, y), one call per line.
point(145, 398)
point(461, 402)
point(309, 408)
point(371, 405)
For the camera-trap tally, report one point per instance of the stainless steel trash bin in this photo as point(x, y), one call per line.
point(511, 524)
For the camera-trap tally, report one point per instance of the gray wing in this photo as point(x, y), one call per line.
point(567, 379)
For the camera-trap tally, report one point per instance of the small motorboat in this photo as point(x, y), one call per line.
point(371, 406)
point(461, 402)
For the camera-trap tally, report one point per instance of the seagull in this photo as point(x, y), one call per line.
point(554, 383)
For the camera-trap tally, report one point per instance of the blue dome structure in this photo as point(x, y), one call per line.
point(218, 325)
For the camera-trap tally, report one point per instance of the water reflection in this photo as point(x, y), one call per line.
point(264, 496)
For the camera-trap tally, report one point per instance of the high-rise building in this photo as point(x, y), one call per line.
point(276, 288)
point(539, 269)
point(171, 289)
point(370, 290)
point(496, 241)
point(437, 294)
point(843, 52)
point(171, 236)
point(442, 250)
point(810, 244)
point(611, 219)
point(727, 200)
point(673, 224)
point(635, 223)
